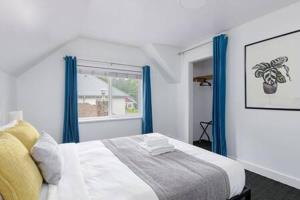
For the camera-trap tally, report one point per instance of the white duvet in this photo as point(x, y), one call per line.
point(92, 172)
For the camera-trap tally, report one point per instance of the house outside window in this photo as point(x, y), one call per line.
point(109, 93)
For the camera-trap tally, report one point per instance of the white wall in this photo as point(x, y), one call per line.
point(8, 95)
point(268, 140)
point(41, 92)
point(167, 59)
point(202, 99)
point(265, 141)
point(164, 105)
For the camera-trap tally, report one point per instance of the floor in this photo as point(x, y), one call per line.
point(263, 188)
point(203, 144)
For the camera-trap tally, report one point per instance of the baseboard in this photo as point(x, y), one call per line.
point(269, 173)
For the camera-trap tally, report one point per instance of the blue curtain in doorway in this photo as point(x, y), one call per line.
point(219, 94)
point(71, 130)
point(147, 103)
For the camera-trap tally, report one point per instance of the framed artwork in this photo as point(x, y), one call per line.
point(272, 73)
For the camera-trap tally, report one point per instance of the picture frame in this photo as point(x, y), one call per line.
point(272, 73)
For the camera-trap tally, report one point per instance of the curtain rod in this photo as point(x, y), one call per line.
point(107, 62)
point(195, 47)
point(201, 44)
point(97, 67)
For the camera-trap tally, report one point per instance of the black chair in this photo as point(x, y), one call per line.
point(204, 126)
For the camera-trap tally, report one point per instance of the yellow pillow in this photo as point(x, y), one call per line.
point(25, 132)
point(20, 178)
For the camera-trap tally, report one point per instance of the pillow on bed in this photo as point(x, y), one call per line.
point(20, 178)
point(46, 154)
point(25, 132)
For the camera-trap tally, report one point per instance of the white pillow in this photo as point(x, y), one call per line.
point(9, 125)
point(47, 155)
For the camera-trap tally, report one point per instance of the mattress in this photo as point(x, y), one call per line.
point(93, 172)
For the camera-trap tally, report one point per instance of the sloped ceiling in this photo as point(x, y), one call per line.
point(30, 29)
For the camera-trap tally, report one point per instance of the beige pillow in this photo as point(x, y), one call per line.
point(25, 132)
point(20, 178)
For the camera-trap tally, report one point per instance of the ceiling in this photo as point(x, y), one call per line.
point(32, 29)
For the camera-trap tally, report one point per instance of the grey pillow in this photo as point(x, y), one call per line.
point(47, 155)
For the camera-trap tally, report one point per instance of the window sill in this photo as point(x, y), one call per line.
point(103, 119)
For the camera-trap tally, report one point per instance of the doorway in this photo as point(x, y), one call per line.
point(202, 103)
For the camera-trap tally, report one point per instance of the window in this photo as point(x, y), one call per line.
point(108, 93)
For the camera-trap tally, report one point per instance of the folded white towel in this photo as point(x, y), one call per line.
point(154, 141)
point(154, 151)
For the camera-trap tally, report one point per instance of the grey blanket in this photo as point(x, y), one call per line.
point(174, 175)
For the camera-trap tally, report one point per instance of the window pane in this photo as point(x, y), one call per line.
point(93, 95)
point(125, 96)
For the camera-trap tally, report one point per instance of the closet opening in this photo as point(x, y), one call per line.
point(202, 103)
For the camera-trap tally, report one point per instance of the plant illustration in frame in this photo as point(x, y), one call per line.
point(271, 74)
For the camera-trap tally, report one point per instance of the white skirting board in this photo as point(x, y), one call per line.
point(269, 173)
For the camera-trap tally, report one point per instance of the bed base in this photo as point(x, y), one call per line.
point(245, 195)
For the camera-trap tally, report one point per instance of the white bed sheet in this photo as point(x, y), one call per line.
point(72, 185)
point(107, 177)
point(44, 192)
point(93, 172)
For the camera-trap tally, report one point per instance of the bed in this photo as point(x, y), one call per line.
point(93, 171)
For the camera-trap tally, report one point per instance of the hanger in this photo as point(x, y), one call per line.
point(203, 80)
point(205, 83)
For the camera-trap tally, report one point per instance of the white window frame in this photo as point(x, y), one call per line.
point(111, 117)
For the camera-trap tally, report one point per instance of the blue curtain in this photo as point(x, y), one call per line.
point(147, 104)
point(71, 130)
point(219, 94)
